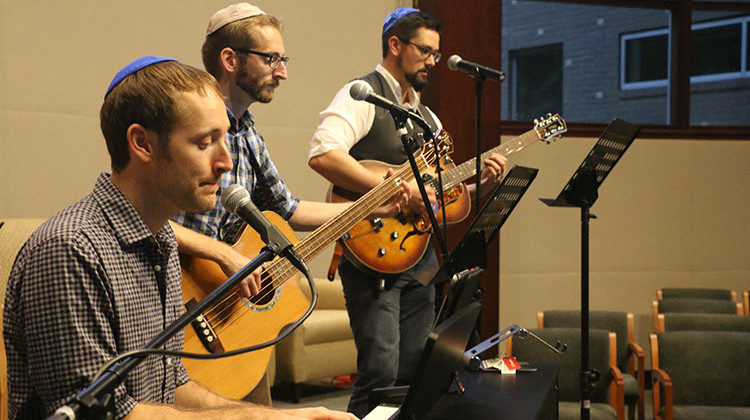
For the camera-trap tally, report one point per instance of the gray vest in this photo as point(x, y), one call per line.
point(383, 142)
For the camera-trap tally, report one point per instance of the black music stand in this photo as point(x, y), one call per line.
point(582, 191)
point(471, 250)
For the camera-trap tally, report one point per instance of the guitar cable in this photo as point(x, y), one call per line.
point(285, 333)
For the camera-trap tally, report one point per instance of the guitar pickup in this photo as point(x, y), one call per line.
point(205, 331)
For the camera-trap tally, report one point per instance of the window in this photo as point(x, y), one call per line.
point(645, 59)
point(537, 81)
point(627, 59)
point(718, 51)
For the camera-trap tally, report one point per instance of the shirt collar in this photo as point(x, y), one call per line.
point(412, 97)
point(246, 120)
point(127, 224)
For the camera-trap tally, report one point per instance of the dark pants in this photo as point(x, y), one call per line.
point(390, 326)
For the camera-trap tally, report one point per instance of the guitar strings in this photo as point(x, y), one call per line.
point(219, 310)
point(519, 143)
point(228, 303)
point(288, 269)
point(279, 271)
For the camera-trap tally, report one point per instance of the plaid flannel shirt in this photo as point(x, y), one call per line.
point(92, 282)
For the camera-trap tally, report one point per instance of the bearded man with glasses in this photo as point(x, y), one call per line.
point(244, 51)
point(390, 315)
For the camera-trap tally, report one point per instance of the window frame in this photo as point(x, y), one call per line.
point(624, 38)
point(742, 73)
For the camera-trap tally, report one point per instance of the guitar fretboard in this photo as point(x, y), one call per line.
point(466, 170)
point(317, 241)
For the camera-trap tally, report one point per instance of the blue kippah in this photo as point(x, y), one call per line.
point(134, 67)
point(395, 16)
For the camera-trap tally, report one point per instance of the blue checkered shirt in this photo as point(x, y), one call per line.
point(92, 282)
point(242, 140)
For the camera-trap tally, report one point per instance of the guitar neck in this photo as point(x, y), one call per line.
point(317, 241)
point(466, 170)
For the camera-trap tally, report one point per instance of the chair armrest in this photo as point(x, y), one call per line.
point(617, 392)
point(637, 356)
point(661, 380)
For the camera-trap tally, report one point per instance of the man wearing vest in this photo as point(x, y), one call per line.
point(392, 315)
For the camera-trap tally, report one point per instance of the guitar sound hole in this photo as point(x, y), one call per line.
point(267, 292)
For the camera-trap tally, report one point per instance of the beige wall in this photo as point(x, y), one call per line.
point(57, 59)
point(671, 213)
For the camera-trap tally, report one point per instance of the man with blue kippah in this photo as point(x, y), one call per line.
point(390, 315)
point(102, 277)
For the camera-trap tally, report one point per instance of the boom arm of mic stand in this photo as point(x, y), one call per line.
point(103, 386)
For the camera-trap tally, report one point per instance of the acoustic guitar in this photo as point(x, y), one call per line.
point(238, 322)
point(395, 244)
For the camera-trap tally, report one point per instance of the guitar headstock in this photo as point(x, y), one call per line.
point(444, 144)
point(550, 127)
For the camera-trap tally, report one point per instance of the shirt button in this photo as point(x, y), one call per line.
point(157, 268)
point(169, 361)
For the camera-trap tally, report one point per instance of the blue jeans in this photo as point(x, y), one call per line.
point(390, 326)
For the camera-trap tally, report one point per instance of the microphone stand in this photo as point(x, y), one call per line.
point(97, 402)
point(410, 147)
point(478, 87)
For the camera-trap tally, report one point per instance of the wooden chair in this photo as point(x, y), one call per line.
point(13, 234)
point(700, 375)
point(695, 293)
point(705, 306)
point(702, 322)
point(608, 394)
point(630, 355)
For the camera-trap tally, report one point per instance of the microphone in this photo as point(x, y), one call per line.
point(361, 91)
point(237, 200)
point(474, 69)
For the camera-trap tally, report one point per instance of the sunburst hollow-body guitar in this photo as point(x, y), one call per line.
point(394, 244)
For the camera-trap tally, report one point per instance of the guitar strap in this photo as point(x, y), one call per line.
point(261, 187)
point(338, 250)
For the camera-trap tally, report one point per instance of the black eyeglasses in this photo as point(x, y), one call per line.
point(273, 60)
point(426, 51)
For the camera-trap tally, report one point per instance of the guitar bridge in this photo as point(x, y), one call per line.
point(205, 331)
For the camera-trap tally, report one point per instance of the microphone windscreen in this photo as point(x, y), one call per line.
point(453, 62)
point(233, 197)
point(359, 90)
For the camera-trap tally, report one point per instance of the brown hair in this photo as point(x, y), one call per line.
point(239, 34)
point(149, 97)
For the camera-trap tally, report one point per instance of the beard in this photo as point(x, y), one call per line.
point(417, 81)
point(259, 91)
